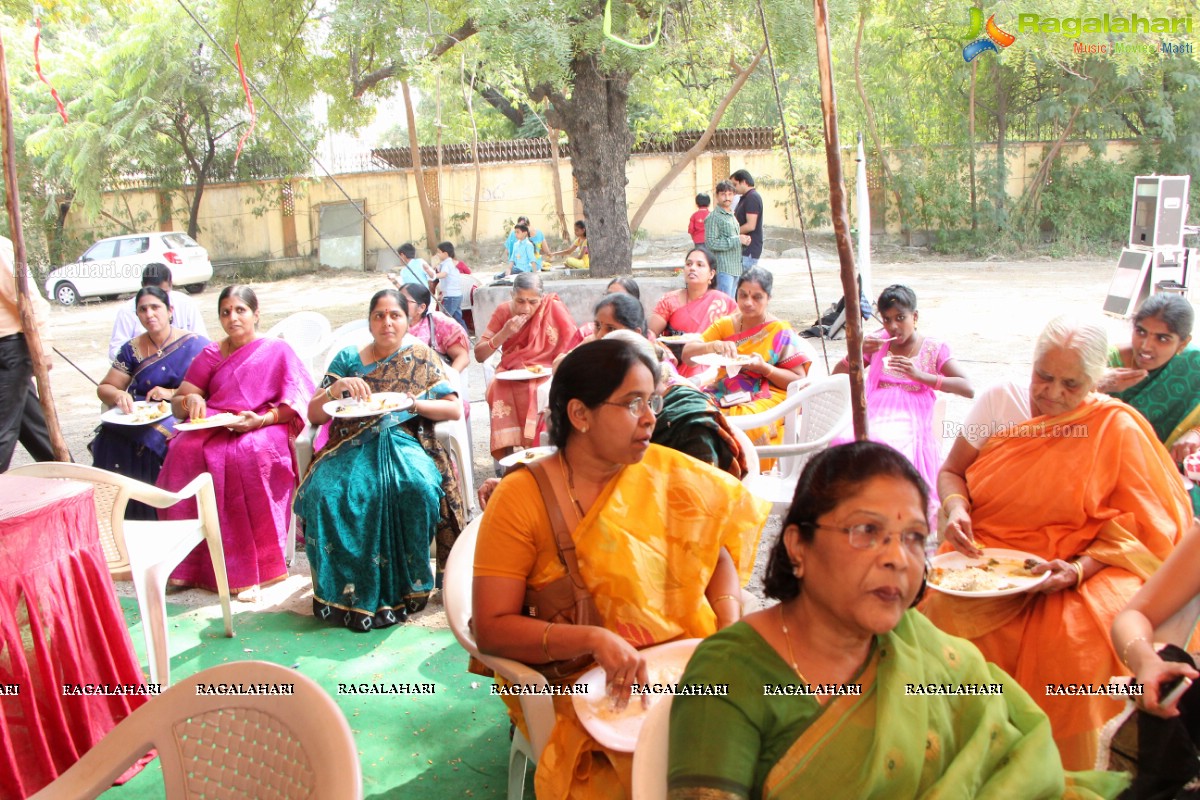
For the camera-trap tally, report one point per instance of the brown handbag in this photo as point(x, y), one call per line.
point(567, 599)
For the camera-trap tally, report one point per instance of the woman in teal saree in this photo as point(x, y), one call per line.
point(382, 487)
point(1159, 375)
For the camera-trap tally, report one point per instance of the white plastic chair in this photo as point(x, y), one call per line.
point(229, 746)
point(146, 551)
point(306, 332)
point(650, 756)
point(538, 709)
point(454, 434)
point(812, 416)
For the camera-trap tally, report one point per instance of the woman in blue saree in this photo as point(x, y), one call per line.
point(382, 487)
point(148, 367)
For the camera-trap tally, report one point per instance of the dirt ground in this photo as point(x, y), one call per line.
point(990, 313)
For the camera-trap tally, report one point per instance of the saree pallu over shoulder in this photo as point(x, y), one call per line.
point(549, 333)
point(647, 549)
point(416, 371)
point(889, 743)
point(1169, 397)
point(254, 473)
point(1095, 482)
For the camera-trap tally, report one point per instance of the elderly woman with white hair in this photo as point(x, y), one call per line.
point(1079, 480)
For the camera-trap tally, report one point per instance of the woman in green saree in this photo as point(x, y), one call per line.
point(843, 690)
point(382, 486)
point(1159, 375)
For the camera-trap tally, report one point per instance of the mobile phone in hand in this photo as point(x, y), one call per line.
point(1170, 691)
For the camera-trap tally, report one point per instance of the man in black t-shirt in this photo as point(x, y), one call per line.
point(748, 213)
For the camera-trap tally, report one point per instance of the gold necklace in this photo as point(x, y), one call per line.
point(787, 637)
point(571, 484)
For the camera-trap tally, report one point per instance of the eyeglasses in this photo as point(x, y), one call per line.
point(869, 536)
point(637, 406)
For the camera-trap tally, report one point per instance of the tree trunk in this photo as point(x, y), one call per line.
point(414, 148)
point(33, 339)
point(889, 179)
point(556, 182)
point(971, 149)
point(596, 119)
point(468, 92)
point(1001, 135)
point(695, 150)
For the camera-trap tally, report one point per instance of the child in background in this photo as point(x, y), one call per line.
point(449, 282)
point(415, 270)
point(584, 261)
point(696, 223)
point(522, 256)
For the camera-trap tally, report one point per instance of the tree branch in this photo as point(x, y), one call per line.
point(363, 83)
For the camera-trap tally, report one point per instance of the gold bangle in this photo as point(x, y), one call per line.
point(733, 597)
point(965, 500)
point(546, 640)
point(1129, 644)
point(1079, 569)
point(328, 393)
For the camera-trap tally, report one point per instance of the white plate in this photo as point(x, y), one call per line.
point(1191, 466)
point(1018, 584)
point(380, 403)
point(144, 413)
point(523, 374)
point(718, 360)
point(215, 421)
point(525, 456)
point(680, 338)
point(619, 730)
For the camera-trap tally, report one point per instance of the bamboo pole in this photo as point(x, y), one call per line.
point(841, 221)
point(33, 338)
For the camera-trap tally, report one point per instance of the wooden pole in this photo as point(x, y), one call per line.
point(841, 221)
point(33, 338)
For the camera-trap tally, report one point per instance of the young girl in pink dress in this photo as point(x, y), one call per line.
point(905, 371)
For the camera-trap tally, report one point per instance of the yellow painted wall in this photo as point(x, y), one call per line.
point(231, 230)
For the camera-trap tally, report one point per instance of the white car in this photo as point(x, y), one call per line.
point(113, 266)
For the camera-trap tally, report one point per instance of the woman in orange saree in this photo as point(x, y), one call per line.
point(1078, 480)
point(529, 331)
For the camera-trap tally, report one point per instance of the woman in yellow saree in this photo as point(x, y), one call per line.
point(842, 690)
point(776, 355)
point(663, 544)
point(1079, 480)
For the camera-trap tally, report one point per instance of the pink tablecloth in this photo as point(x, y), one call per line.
point(60, 625)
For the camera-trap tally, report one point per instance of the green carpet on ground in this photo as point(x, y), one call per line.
point(451, 744)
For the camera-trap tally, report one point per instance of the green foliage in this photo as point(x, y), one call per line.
point(1088, 203)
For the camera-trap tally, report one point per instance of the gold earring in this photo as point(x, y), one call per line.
point(584, 429)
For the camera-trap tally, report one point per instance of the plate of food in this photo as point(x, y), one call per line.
point(529, 373)
point(680, 338)
point(215, 421)
point(619, 729)
point(145, 412)
point(998, 572)
point(525, 456)
point(718, 360)
point(378, 403)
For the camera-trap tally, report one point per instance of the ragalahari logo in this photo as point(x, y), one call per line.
point(992, 37)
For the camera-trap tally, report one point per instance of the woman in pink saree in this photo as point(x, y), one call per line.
point(251, 458)
point(696, 306)
point(531, 330)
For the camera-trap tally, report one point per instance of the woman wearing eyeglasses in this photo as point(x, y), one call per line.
point(663, 545)
point(1079, 480)
point(383, 486)
point(830, 690)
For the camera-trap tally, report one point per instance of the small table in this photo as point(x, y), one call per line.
point(60, 625)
